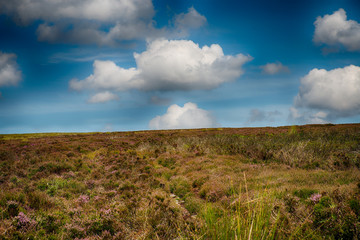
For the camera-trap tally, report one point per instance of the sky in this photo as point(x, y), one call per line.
point(124, 65)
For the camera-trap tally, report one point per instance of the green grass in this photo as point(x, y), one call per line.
point(247, 218)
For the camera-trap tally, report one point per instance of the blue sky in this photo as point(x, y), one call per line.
point(117, 65)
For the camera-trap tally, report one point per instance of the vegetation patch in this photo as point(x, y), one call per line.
point(299, 182)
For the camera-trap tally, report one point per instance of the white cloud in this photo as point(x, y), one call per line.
point(184, 22)
point(101, 22)
point(274, 68)
point(100, 10)
point(107, 75)
point(325, 95)
point(167, 65)
point(189, 116)
point(335, 30)
point(10, 75)
point(337, 90)
point(103, 97)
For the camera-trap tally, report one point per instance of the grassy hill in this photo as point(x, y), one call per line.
point(299, 182)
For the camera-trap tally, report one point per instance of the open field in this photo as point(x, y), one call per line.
point(300, 182)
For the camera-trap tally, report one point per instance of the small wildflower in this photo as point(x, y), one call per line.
point(83, 199)
point(315, 198)
point(106, 211)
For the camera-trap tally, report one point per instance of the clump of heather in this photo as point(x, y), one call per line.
point(75, 231)
point(24, 222)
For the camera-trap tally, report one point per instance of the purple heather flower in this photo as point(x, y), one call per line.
point(315, 197)
point(83, 199)
point(106, 211)
point(24, 222)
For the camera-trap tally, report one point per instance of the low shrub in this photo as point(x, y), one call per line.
point(39, 200)
point(336, 221)
point(180, 186)
point(193, 204)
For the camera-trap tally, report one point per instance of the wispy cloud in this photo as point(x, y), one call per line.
point(257, 115)
point(77, 55)
point(103, 97)
point(159, 100)
point(184, 22)
point(274, 68)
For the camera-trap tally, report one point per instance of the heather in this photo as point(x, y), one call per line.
point(299, 182)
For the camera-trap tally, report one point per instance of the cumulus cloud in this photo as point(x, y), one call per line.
point(274, 68)
point(337, 89)
point(336, 31)
point(101, 10)
point(325, 95)
point(10, 75)
point(84, 21)
point(103, 97)
point(189, 116)
point(165, 66)
point(101, 22)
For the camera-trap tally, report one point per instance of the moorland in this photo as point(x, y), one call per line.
point(295, 182)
